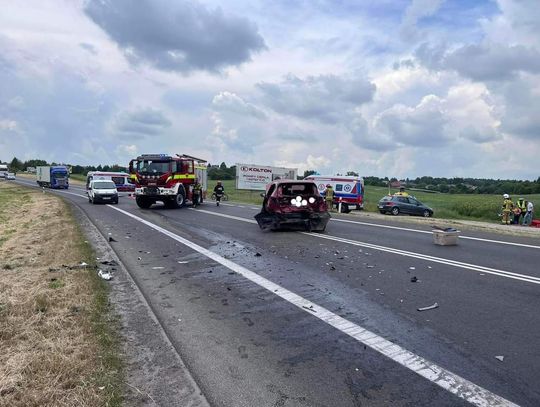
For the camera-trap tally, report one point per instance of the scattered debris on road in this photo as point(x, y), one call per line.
point(105, 275)
point(414, 279)
point(436, 305)
point(310, 308)
point(112, 239)
point(500, 358)
point(258, 254)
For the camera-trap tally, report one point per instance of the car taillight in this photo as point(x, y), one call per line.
point(389, 203)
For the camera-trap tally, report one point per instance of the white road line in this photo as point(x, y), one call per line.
point(441, 260)
point(438, 375)
point(449, 262)
point(429, 232)
point(425, 231)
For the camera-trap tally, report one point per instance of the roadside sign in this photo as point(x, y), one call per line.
point(256, 177)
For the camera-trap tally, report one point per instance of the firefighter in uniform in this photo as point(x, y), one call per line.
point(219, 190)
point(507, 207)
point(197, 190)
point(521, 204)
point(329, 197)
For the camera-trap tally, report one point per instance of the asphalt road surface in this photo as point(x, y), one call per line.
point(331, 319)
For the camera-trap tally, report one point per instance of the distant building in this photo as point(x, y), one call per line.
point(395, 184)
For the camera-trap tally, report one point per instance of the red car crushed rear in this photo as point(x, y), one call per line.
point(293, 204)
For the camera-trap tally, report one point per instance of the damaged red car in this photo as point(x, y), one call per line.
point(293, 204)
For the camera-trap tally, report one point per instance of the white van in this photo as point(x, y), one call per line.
point(102, 191)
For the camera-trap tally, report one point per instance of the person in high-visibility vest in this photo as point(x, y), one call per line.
point(402, 192)
point(196, 193)
point(329, 197)
point(527, 219)
point(521, 204)
point(507, 207)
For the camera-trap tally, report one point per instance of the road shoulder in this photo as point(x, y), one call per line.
point(155, 373)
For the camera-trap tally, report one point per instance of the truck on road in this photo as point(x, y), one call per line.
point(56, 176)
point(167, 179)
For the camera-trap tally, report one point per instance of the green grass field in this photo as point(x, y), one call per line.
point(446, 206)
point(78, 177)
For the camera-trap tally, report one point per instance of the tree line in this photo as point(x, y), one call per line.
point(455, 185)
point(458, 185)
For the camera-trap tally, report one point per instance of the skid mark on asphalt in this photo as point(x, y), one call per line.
point(438, 375)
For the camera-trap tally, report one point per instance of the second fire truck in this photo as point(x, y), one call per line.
point(167, 179)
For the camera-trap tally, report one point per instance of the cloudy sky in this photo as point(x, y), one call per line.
point(383, 87)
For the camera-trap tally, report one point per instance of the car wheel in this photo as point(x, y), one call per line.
point(426, 213)
point(395, 211)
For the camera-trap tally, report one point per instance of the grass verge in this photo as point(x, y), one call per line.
point(477, 207)
point(59, 343)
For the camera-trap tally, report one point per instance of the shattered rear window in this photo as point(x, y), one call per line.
point(298, 189)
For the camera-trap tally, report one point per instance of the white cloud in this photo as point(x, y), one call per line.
point(8, 125)
point(417, 10)
point(276, 82)
point(230, 102)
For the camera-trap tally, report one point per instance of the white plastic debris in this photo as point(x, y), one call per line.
point(83, 264)
point(429, 308)
point(157, 268)
point(500, 357)
point(105, 275)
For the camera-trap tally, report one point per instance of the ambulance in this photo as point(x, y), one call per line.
point(121, 179)
point(348, 190)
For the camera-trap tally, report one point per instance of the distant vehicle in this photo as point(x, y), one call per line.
point(102, 191)
point(3, 170)
point(53, 176)
point(167, 179)
point(348, 190)
point(10, 175)
point(121, 179)
point(293, 204)
point(396, 204)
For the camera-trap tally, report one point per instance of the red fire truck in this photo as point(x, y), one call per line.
point(167, 179)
